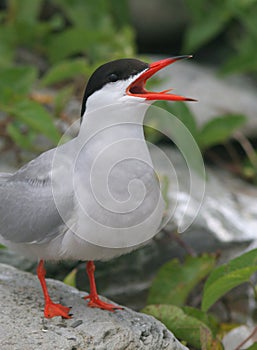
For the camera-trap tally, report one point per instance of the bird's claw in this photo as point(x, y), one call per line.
point(95, 301)
point(52, 310)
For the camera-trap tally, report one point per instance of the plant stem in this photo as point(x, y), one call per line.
point(239, 347)
point(176, 237)
point(248, 148)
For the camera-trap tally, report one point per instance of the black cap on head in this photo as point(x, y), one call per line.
point(109, 72)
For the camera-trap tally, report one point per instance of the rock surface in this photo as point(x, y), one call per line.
point(228, 208)
point(237, 336)
point(22, 325)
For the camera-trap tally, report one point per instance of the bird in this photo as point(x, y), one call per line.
point(96, 196)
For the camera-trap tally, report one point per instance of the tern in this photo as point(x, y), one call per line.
point(96, 196)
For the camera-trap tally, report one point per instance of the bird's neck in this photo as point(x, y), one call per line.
point(115, 129)
point(97, 119)
point(122, 119)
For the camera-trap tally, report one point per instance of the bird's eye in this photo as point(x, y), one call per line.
point(113, 77)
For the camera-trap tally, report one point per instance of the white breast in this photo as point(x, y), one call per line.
point(118, 198)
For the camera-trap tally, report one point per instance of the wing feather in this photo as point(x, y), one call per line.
point(27, 208)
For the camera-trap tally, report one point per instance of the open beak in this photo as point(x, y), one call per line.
point(137, 87)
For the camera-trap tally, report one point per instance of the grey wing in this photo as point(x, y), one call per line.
point(27, 207)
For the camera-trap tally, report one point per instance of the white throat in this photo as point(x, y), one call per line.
point(117, 129)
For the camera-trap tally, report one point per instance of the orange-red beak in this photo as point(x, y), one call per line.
point(137, 87)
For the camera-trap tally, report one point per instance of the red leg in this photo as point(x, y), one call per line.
point(51, 309)
point(94, 300)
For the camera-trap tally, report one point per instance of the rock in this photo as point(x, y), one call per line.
point(228, 209)
point(8, 162)
point(22, 325)
point(9, 257)
point(237, 336)
point(127, 279)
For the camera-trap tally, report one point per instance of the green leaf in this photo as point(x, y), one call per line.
point(228, 276)
point(66, 70)
point(205, 29)
point(152, 134)
point(243, 62)
point(23, 141)
point(183, 113)
point(120, 11)
point(219, 129)
point(98, 30)
point(26, 10)
point(6, 50)
point(87, 14)
point(17, 80)
point(70, 279)
point(184, 327)
point(175, 281)
point(207, 319)
point(61, 99)
point(36, 117)
point(252, 347)
point(177, 109)
point(79, 40)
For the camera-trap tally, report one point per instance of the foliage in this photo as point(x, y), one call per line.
point(185, 278)
point(27, 118)
point(72, 38)
point(215, 131)
point(253, 347)
point(60, 42)
point(65, 40)
point(64, 28)
point(184, 326)
point(235, 20)
point(70, 279)
point(228, 276)
point(172, 285)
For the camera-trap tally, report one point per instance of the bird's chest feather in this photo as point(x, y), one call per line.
point(119, 195)
point(117, 198)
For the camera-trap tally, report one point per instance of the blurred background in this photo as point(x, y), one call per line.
point(56, 44)
point(48, 50)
